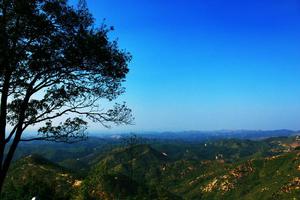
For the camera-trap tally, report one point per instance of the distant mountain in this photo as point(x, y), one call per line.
point(221, 134)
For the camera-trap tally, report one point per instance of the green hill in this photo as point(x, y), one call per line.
point(276, 177)
point(36, 176)
point(128, 173)
point(270, 177)
point(220, 169)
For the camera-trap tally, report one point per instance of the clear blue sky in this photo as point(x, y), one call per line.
point(208, 64)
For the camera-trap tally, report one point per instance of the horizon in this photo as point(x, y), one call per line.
point(109, 132)
point(93, 133)
point(208, 65)
point(159, 99)
point(140, 132)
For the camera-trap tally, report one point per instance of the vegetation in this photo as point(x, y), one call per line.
point(106, 169)
point(57, 183)
point(55, 62)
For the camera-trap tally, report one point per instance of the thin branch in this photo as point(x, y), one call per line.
point(53, 139)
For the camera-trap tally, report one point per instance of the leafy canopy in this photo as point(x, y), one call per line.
point(55, 62)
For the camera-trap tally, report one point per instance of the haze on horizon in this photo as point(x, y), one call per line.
point(208, 65)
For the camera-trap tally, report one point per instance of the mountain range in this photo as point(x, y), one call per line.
point(106, 168)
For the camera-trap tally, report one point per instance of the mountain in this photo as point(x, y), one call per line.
point(128, 173)
point(159, 170)
point(196, 136)
point(268, 170)
point(35, 176)
point(275, 177)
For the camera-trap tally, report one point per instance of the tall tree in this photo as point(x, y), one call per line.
point(54, 64)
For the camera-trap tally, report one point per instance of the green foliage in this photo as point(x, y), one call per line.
point(138, 166)
point(56, 64)
point(54, 50)
point(24, 180)
point(146, 171)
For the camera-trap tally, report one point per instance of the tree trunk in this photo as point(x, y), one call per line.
point(4, 65)
point(4, 95)
point(12, 148)
point(8, 159)
point(2, 178)
point(3, 130)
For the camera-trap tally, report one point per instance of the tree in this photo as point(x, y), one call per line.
point(55, 67)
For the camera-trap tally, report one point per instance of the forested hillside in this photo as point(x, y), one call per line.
point(160, 169)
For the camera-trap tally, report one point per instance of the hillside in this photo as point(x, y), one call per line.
point(214, 169)
point(263, 178)
point(35, 176)
point(232, 174)
point(128, 173)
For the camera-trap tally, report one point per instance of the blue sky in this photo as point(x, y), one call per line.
point(208, 65)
